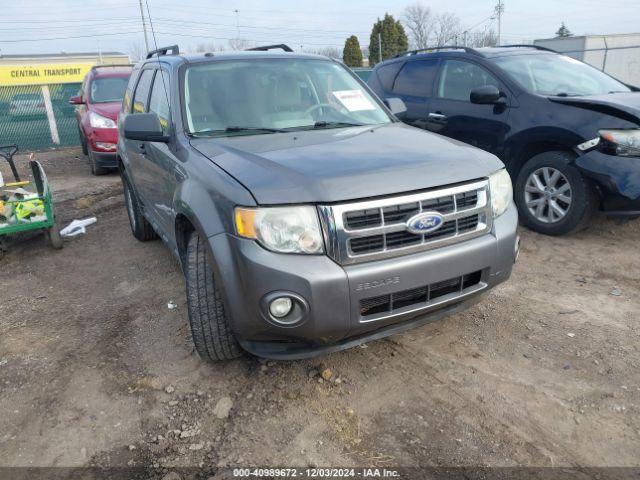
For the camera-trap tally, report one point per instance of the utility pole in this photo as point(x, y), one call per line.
point(237, 24)
point(464, 38)
point(379, 47)
point(144, 27)
point(499, 12)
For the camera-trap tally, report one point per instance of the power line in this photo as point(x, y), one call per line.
point(67, 38)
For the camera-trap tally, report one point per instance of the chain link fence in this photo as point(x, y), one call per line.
point(38, 117)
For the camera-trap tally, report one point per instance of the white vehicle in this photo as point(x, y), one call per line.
point(27, 105)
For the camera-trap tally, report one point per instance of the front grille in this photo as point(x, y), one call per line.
point(416, 297)
point(365, 231)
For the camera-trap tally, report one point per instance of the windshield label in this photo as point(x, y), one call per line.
point(354, 100)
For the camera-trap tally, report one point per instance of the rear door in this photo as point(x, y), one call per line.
point(414, 85)
point(451, 113)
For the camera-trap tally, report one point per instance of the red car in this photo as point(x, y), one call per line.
point(99, 102)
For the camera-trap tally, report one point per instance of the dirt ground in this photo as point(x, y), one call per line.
point(96, 370)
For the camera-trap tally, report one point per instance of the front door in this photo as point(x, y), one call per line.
point(452, 114)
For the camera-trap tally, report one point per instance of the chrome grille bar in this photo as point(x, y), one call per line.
point(338, 235)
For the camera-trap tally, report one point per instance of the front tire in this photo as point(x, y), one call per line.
point(552, 195)
point(140, 227)
point(83, 142)
point(96, 169)
point(210, 327)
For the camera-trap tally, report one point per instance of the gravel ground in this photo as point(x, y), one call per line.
point(96, 370)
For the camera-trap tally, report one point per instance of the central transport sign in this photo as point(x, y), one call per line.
point(43, 73)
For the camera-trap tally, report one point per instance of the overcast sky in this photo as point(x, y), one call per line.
point(111, 25)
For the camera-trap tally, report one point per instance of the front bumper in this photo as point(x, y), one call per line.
point(333, 319)
point(618, 179)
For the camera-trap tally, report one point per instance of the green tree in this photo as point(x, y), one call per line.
point(394, 39)
point(352, 55)
point(563, 31)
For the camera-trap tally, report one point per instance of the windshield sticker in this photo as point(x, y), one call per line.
point(354, 100)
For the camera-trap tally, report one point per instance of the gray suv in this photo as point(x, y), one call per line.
point(305, 216)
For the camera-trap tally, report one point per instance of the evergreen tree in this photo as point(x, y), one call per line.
point(394, 39)
point(563, 31)
point(352, 55)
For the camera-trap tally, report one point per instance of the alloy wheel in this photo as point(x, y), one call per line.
point(547, 195)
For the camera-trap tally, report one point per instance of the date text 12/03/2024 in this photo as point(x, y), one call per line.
point(316, 472)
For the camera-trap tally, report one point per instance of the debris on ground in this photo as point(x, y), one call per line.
point(77, 227)
point(172, 305)
point(616, 292)
point(223, 407)
point(169, 389)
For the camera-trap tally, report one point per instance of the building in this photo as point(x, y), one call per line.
point(618, 55)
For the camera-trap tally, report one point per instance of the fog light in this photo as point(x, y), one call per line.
point(280, 307)
point(106, 145)
point(517, 249)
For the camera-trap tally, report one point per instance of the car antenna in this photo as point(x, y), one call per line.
point(155, 43)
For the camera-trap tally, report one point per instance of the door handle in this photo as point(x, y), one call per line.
point(437, 117)
point(142, 149)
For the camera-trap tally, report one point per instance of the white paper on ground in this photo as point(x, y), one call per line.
point(354, 100)
point(77, 227)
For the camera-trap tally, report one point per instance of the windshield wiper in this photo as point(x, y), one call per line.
point(233, 129)
point(324, 124)
point(253, 129)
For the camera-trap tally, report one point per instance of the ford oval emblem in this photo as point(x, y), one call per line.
point(425, 222)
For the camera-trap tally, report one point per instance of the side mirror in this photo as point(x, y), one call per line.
point(486, 95)
point(76, 100)
point(396, 105)
point(144, 127)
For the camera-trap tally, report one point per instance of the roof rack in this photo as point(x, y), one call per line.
point(445, 47)
point(266, 48)
point(95, 67)
point(524, 45)
point(163, 51)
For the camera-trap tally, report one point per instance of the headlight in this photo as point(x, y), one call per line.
point(281, 229)
point(501, 192)
point(624, 143)
point(98, 121)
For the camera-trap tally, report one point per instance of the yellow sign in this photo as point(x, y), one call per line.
point(43, 73)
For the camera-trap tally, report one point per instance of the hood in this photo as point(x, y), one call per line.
point(109, 110)
point(334, 165)
point(624, 105)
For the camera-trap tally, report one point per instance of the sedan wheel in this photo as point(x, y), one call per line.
point(548, 195)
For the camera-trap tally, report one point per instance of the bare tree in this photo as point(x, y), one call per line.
point(206, 47)
point(331, 52)
point(419, 20)
point(136, 52)
point(447, 29)
point(240, 44)
point(487, 38)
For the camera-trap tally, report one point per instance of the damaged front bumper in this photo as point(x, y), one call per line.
point(618, 179)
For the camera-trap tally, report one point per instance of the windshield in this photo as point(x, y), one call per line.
point(111, 89)
point(240, 97)
point(549, 74)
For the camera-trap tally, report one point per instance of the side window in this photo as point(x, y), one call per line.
point(159, 101)
point(141, 96)
point(458, 78)
point(387, 74)
point(416, 78)
point(128, 93)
